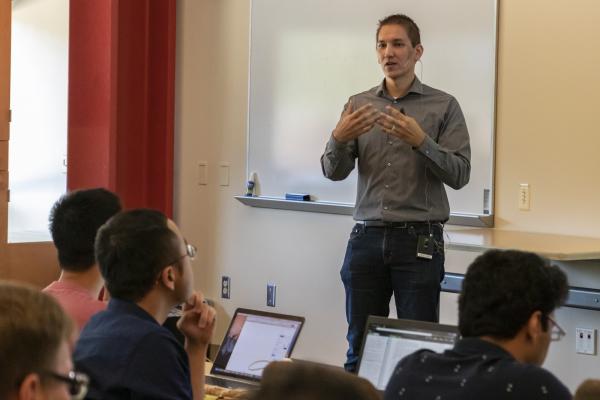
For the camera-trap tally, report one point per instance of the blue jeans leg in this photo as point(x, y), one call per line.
point(416, 281)
point(367, 285)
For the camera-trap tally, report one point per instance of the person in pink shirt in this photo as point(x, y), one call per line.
point(74, 221)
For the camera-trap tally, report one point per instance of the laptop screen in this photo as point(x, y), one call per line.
point(387, 341)
point(254, 339)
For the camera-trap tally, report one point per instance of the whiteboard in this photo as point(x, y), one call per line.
point(307, 57)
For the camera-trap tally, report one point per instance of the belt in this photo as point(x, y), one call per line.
point(396, 224)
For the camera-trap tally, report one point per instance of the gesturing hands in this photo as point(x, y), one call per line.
point(198, 321)
point(353, 124)
point(402, 126)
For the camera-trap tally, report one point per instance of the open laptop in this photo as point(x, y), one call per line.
point(253, 339)
point(387, 341)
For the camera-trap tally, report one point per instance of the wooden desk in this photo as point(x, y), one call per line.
point(552, 246)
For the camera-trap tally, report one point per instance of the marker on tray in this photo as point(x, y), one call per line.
point(297, 196)
point(251, 184)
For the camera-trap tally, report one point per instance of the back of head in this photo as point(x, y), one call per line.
point(588, 390)
point(301, 381)
point(74, 221)
point(132, 248)
point(32, 327)
point(503, 288)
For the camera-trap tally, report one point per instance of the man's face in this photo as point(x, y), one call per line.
point(185, 284)
point(395, 52)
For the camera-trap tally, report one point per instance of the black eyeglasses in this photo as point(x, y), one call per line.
point(557, 332)
point(77, 381)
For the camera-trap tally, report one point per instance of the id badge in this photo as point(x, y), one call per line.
point(425, 246)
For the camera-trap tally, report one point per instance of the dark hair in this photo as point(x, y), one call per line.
point(74, 221)
point(32, 329)
point(132, 248)
point(412, 30)
point(301, 381)
point(502, 288)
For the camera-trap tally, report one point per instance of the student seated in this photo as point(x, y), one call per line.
point(304, 381)
point(74, 221)
point(588, 390)
point(146, 265)
point(505, 317)
point(35, 347)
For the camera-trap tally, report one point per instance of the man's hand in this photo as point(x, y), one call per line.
point(402, 126)
point(198, 321)
point(352, 124)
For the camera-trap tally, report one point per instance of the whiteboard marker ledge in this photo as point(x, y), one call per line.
point(347, 209)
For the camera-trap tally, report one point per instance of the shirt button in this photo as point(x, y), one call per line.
point(390, 142)
point(385, 208)
point(389, 164)
point(387, 186)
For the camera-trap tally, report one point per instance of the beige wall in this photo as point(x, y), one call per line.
point(545, 137)
point(547, 115)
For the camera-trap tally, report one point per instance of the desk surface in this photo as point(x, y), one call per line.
point(552, 246)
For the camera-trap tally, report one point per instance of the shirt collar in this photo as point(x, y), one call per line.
point(479, 346)
point(415, 87)
point(128, 307)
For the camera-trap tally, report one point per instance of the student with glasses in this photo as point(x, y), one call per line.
point(146, 266)
point(35, 347)
point(505, 317)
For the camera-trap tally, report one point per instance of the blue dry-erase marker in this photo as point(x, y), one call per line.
point(250, 185)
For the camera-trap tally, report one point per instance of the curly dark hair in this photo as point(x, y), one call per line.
point(502, 288)
point(132, 248)
point(74, 221)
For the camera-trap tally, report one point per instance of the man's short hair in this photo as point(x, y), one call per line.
point(132, 248)
point(74, 221)
point(412, 30)
point(299, 381)
point(502, 288)
point(32, 328)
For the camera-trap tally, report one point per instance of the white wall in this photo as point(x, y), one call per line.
point(38, 132)
point(302, 252)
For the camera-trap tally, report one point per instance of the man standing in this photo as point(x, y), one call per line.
point(74, 221)
point(505, 318)
point(410, 140)
point(146, 264)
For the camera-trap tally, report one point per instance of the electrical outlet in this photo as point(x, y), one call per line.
point(585, 341)
point(225, 287)
point(524, 197)
point(271, 293)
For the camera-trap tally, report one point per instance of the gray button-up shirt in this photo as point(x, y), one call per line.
point(397, 182)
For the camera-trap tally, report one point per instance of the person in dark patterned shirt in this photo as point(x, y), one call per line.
point(506, 322)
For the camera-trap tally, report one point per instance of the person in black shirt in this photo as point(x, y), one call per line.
point(146, 264)
point(506, 322)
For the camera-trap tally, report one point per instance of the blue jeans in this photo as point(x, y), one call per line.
point(380, 261)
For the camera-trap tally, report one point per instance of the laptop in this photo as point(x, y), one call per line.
point(253, 339)
point(387, 341)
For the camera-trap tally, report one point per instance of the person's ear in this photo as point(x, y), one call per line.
point(534, 326)
point(30, 388)
point(167, 277)
point(418, 52)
